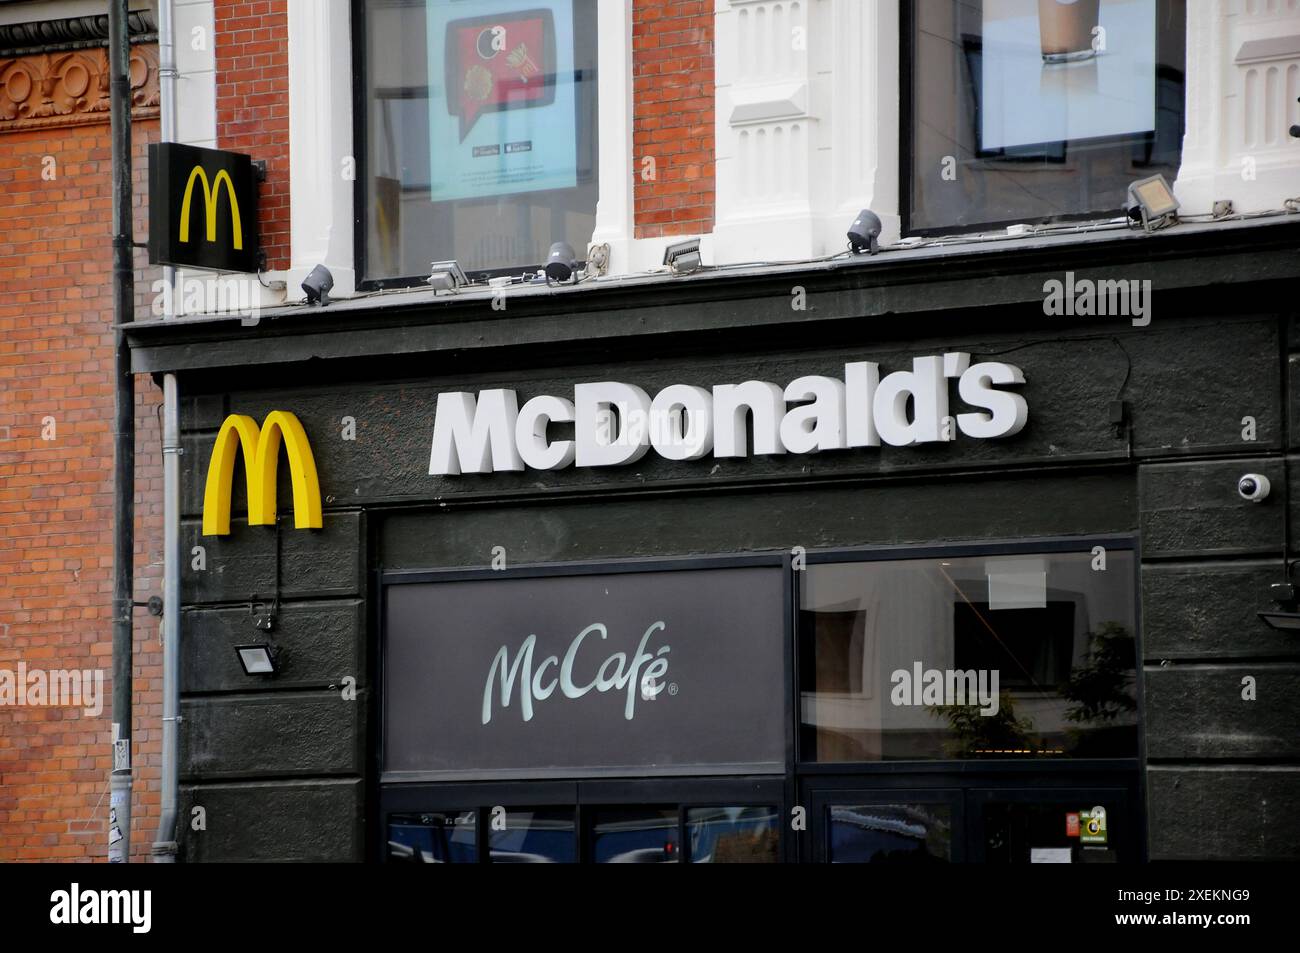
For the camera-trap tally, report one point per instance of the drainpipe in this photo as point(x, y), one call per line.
point(164, 846)
point(119, 53)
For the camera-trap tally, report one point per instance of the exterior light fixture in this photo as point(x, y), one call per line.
point(1282, 621)
point(864, 233)
point(1151, 201)
point(257, 659)
point(683, 257)
point(317, 285)
point(446, 276)
point(561, 263)
point(1284, 618)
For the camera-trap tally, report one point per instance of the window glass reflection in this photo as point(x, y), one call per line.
point(438, 838)
point(635, 835)
point(475, 154)
point(1032, 110)
point(891, 833)
point(733, 835)
point(541, 836)
point(1025, 656)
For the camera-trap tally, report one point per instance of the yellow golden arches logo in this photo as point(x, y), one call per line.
point(261, 450)
point(211, 195)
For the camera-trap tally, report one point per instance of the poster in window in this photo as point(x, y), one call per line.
point(1056, 71)
point(502, 98)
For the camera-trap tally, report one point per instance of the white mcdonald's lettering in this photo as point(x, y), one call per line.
point(616, 424)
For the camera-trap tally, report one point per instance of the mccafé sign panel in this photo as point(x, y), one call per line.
point(616, 423)
point(202, 208)
point(641, 672)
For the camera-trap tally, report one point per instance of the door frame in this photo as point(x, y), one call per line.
point(974, 784)
point(822, 798)
point(680, 793)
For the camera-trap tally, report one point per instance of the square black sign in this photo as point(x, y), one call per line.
point(202, 208)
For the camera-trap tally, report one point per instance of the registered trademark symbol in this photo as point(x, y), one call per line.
point(672, 688)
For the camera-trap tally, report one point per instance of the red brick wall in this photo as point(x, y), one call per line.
point(672, 120)
point(253, 104)
point(56, 496)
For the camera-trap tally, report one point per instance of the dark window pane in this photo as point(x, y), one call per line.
point(635, 835)
point(1025, 656)
point(439, 838)
point(891, 834)
point(542, 836)
point(1032, 110)
point(733, 835)
point(1056, 833)
point(480, 144)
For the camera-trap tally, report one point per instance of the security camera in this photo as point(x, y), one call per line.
point(1253, 487)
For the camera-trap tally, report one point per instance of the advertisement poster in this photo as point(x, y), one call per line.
point(1065, 70)
point(502, 116)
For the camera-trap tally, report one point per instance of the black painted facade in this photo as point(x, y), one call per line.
point(286, 768)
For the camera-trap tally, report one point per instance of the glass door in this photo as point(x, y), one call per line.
point(1037, 825)
point(982, 819)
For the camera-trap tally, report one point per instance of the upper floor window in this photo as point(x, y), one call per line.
point(478, 120)
point(1036, 110)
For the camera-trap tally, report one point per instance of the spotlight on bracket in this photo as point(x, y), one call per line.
point(683, 257)
point(1282, 621)
point(864, 233)
point(258, 658)
point(562, 262)
point(317, 285)
point(446, 276)
point(1284, 618)
point(1151, 201)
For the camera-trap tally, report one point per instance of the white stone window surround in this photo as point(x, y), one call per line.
point(321, 202)
point(1243, 80)
point(805, 130)
point(807, 137)
point(806, 125)
point(805, 221)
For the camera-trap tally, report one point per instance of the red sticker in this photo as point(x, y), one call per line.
point(1072, 825)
